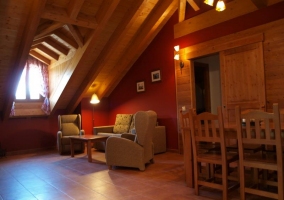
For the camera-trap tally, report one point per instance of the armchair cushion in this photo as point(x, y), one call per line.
point(70, 129)
point(122, 123)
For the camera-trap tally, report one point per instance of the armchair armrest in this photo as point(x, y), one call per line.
point(103, 129)
point(128, 136)
point(59, 134)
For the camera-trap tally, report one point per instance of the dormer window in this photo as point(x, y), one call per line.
point(31, 98)
point(29, 84)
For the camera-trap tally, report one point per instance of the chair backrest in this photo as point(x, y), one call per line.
point(184, 119)
point(69, 124)
point(259, 127)
point(145, 122)
point(207, 127)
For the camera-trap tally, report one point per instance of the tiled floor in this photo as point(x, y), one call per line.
point(50, 176)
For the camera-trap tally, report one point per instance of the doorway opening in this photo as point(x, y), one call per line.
point(207, 83)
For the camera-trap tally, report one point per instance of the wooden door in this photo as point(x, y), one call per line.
point(242, 80)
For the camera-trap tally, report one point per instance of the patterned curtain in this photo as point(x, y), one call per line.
point(41, 71)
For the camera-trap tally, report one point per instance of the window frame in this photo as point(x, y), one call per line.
point(28, 95)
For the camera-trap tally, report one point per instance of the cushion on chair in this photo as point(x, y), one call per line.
point(70, 129)
point(122, 123)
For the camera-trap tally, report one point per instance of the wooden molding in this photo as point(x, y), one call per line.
point(202, 49)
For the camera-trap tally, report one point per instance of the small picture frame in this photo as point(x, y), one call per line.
point(140, 86)
point(156, 75)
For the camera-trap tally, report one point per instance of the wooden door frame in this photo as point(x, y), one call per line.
point(213, 47)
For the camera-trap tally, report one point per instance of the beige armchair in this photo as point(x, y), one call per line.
point(128, 153)
point(69, 125)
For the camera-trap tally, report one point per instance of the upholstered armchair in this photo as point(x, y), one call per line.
point(128, 153)
point(69, 125)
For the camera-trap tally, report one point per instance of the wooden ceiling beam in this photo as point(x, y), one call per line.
point(49, 41)
point(74, 8)
point(144, 36)
point(60, 15)
point(181, 10)
point(70, 41)
point(193, 4)
point(40, 57)
point(39, 41)
point(260, 3)
point(104, 14)
point(76, 35)
point(47, 31)
point(22, 54)
point(47, 51)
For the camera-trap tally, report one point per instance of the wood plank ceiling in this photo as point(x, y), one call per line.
point(89, 45)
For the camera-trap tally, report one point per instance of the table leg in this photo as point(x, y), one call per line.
point(89, 152)
point(72, 147)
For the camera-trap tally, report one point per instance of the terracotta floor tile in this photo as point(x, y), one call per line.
point(48, 175)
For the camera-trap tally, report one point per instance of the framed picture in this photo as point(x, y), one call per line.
point(140, 86)
point(156, 75)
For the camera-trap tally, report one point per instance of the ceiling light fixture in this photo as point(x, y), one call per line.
point(220, 4)
point(209, 2)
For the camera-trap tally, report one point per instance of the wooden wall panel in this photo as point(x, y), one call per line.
point(272, 35)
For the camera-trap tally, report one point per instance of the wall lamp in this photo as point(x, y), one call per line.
point(176, 57)
point(220, 4)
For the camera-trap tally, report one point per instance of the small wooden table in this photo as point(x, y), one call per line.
point(86, 138)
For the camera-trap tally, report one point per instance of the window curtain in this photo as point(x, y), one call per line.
point(41, 71)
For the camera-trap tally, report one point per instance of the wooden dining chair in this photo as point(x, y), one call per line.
point(207, 128)
point(187, 147)
point(264, 130)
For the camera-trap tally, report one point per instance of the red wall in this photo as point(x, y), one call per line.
point(94, 114)
point(30, 133)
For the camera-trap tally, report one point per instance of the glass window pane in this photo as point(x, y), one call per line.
point(21, 89)
point(34, 83)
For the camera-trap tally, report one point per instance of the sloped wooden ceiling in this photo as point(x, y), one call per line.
point(89, 45)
